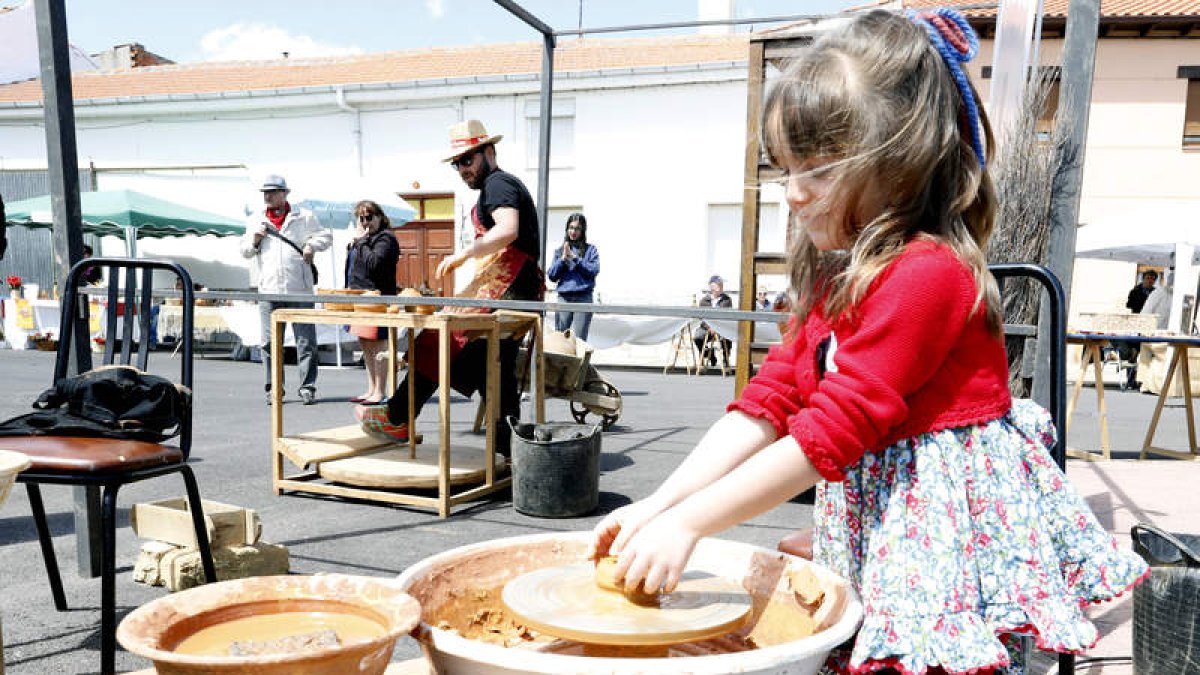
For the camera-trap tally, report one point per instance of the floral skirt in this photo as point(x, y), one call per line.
point(959, 538)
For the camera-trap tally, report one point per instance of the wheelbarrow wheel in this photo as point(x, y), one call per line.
point(608, 416)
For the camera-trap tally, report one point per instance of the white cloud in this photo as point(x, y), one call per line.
point(257, 41)
point(436, 8)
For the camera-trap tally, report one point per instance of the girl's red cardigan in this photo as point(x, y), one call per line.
point(911, 357)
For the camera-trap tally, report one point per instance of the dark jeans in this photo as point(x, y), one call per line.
point(468, 374)
point(579, 322)
point(306, 343)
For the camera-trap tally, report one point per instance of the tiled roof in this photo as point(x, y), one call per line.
point(1109, 9)
point(425, 64)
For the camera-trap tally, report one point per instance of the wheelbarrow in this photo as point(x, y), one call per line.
point(574, 378)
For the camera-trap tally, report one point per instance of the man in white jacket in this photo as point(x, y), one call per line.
point(285, 268)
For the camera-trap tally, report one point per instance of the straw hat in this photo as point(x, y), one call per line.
point(467, 136)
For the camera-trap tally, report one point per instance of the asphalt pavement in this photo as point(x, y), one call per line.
point(662, 418)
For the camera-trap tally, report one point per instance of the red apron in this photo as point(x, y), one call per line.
point(495, 279)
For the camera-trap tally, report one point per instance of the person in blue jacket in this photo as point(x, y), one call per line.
point(575, 269)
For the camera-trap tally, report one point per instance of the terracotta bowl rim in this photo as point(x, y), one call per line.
point(407, 610)
point(452, 643)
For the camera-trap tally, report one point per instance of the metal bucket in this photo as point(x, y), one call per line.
point(556, 468)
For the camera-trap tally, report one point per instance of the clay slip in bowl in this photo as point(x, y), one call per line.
point(154, 629)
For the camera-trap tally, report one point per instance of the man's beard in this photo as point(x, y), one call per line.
point(485, 170)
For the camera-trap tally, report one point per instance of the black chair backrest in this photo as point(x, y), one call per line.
point(129, 296)
point(1057, 337)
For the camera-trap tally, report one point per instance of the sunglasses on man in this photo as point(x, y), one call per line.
point(466, 160)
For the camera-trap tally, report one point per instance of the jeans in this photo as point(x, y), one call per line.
point(579, 322)
point(306, 343)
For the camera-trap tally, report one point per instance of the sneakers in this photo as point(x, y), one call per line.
point(270, 400)
point(308, 396)
point(374, 421)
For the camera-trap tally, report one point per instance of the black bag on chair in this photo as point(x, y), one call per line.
point(1166, 606)
point(107, 402)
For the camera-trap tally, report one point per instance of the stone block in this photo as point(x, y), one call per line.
point(179, 568)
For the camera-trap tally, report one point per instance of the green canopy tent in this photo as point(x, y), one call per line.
point(129, 215)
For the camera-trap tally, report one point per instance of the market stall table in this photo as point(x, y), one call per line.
point(1093, 344)
point(377, 467)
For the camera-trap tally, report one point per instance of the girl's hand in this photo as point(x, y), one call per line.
point(567, 253)
point(657, 555)
point(612, 533)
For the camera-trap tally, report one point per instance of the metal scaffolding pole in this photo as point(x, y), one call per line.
point(63, 166)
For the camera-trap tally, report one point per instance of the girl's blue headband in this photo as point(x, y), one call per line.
point(956, 42)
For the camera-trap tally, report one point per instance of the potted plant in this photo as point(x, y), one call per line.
point(14, 286)
point(43, 342)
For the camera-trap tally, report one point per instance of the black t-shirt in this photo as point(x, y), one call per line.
point(504, 189)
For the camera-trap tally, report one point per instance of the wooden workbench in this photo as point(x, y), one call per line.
point(309, 449)
point(1093, 344)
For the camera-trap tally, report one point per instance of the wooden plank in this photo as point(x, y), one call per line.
point(326, 445)
point(391, 468)
point(756, 79)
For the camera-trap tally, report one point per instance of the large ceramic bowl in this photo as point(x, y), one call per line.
point(155, 629)
point(11, 464)
point(455, 578)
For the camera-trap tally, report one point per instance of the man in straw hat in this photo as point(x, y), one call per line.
point(280, 241)
point(506, 250)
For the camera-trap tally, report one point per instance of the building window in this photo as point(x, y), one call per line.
point(562, 133)
point(1191, 115)
point(1050, 77)
point(1045, 122)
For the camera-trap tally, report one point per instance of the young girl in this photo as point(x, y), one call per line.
point(937, 496)
point(574, 268)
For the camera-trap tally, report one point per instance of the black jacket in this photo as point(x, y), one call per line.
point(375, 258)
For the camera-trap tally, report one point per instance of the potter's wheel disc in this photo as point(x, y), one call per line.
point(565, 602)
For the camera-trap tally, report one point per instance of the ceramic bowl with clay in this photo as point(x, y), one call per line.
point(339, 306)
point(192, 632)
point(464, 629)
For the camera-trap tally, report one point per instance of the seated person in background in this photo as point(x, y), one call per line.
point(1128, 351)
point(1137, 296)
point(762, 300)
point(1158, 302)
point(715, 297)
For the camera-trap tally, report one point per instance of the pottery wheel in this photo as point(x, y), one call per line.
point(566, 602)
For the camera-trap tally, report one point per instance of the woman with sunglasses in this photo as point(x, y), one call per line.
point(371, 261)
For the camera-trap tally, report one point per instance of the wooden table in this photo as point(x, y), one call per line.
point(311, 448)
point(1092, 344)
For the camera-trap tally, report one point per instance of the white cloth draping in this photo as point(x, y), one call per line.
point(46, 318)
point(612, 330)
point(242, 319)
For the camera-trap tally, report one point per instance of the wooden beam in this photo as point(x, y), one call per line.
point(755, 81)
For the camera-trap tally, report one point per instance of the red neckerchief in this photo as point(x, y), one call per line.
point(277, 220)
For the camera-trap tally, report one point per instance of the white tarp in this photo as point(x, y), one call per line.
point(1159, 255)
point(19, 47)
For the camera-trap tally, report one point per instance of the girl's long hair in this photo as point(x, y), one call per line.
point(875, 99)
point(581, 245)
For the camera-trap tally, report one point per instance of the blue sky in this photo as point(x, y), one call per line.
point(248, 29)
